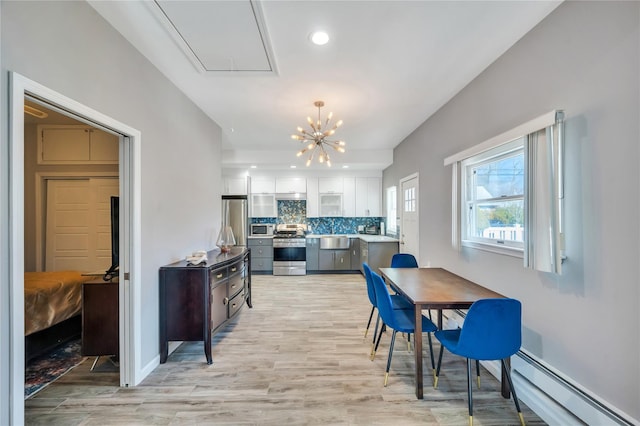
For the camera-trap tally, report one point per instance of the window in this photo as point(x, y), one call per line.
point(410, 199)
point(508, 194)
point(392, 210)
point(494, 196)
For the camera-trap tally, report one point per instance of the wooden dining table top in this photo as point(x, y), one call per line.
point(436, 288)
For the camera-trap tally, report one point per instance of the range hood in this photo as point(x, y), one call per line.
point(291, 196)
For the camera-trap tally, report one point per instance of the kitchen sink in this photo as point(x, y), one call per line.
point(333, 242)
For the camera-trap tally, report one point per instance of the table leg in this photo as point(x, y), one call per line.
point(505, 390)
point(417, 341)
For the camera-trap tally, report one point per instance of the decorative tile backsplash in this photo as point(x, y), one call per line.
point(295, 211)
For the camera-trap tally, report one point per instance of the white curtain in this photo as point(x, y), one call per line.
point(544, 196)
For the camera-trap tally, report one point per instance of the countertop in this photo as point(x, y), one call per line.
point(364, 237)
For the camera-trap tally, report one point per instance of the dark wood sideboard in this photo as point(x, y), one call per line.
point(198, 300)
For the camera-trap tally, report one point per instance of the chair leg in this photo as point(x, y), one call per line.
point(478, 372)
point(375, 349)
point(513, 391)
point(375, 333)
point(373, 308)
point(433, 364)
point(408, 342)
point(470, 392)
point(435, 378)
point(393, 339)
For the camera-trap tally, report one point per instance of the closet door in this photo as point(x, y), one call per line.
point(78, 227)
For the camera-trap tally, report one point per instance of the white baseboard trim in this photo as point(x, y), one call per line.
point(147, 369)
point(555, 398)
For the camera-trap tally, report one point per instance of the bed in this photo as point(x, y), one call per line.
point(52, 308)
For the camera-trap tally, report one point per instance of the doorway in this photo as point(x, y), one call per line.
point(130, 238)
point(410, 214)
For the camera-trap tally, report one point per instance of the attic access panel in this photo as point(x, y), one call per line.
point(220, 35)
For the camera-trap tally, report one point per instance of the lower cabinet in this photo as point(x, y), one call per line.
point(196, 301)
point(261, 254)
point(313, 249)
point(377, 254)
point(334, 260)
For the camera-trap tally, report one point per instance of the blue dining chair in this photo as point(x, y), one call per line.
point(403, 260)
point(399, 302)
point(491, 331)
point(401, 320)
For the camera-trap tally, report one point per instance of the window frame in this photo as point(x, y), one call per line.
point(468, 198)
point(392, 210)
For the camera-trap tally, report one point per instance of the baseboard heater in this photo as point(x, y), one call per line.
point(555, 398)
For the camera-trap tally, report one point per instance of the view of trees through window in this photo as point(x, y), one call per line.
point(497, 202)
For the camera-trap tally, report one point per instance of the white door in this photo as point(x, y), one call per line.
point(78, 225)
point(409, 225)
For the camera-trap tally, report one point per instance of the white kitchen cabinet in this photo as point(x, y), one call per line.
point(76, 144)
point(312, 197)
point(264, 205)
point(330, 185)
point(263, 185)
point(368, 199)
point(234, 186)
point(330, 205)
point(349, 197)
point(291, 185)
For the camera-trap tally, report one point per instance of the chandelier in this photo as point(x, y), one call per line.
point(317, 138)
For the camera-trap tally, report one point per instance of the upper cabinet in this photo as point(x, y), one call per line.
point(349, 197)
point(76, 144)
point(234, 186)
point(368, 199)
point(263, 185)
point(312, 197)
point(330, 185)
point(264, 205)
point(291, 185)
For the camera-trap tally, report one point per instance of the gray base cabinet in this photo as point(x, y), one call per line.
point(377, 255)
point(313, 249)
point(261, 254)
point(335, 260)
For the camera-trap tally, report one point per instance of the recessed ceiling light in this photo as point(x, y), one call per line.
point(254, 167)
point(345, 166)
point(320, 38)
point(293, 167)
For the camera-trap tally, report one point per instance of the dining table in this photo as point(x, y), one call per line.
point(436, 289)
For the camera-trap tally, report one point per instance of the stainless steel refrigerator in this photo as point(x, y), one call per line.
point(235, 213)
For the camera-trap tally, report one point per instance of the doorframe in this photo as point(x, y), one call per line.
point(401, 204)
point(130, 241)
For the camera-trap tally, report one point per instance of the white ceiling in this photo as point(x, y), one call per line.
point(389, 65)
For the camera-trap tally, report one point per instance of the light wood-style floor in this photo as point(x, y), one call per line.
point(297, 358)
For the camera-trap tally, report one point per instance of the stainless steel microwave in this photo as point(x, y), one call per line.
point(262, 228)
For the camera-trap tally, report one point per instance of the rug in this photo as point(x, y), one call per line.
point(49, 367)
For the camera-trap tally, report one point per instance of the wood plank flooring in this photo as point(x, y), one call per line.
point(297, 358)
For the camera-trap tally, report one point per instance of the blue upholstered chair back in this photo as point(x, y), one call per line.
point(403, 260)
point(491, 330)
point(370, 290)
point(383, 299)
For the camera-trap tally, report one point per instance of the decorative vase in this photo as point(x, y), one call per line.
point(226, 239)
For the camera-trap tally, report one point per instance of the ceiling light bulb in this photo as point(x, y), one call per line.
point(308, 162)
point(320, 38)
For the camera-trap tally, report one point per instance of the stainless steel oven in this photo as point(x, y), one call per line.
point(289, 250)
point(289, 256)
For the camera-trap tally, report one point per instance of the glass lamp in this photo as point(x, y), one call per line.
point(226, 239)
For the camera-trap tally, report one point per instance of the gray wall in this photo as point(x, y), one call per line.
point(582, 58)
point(69, 48)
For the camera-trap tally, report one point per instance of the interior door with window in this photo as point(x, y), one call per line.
point(410, 225)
